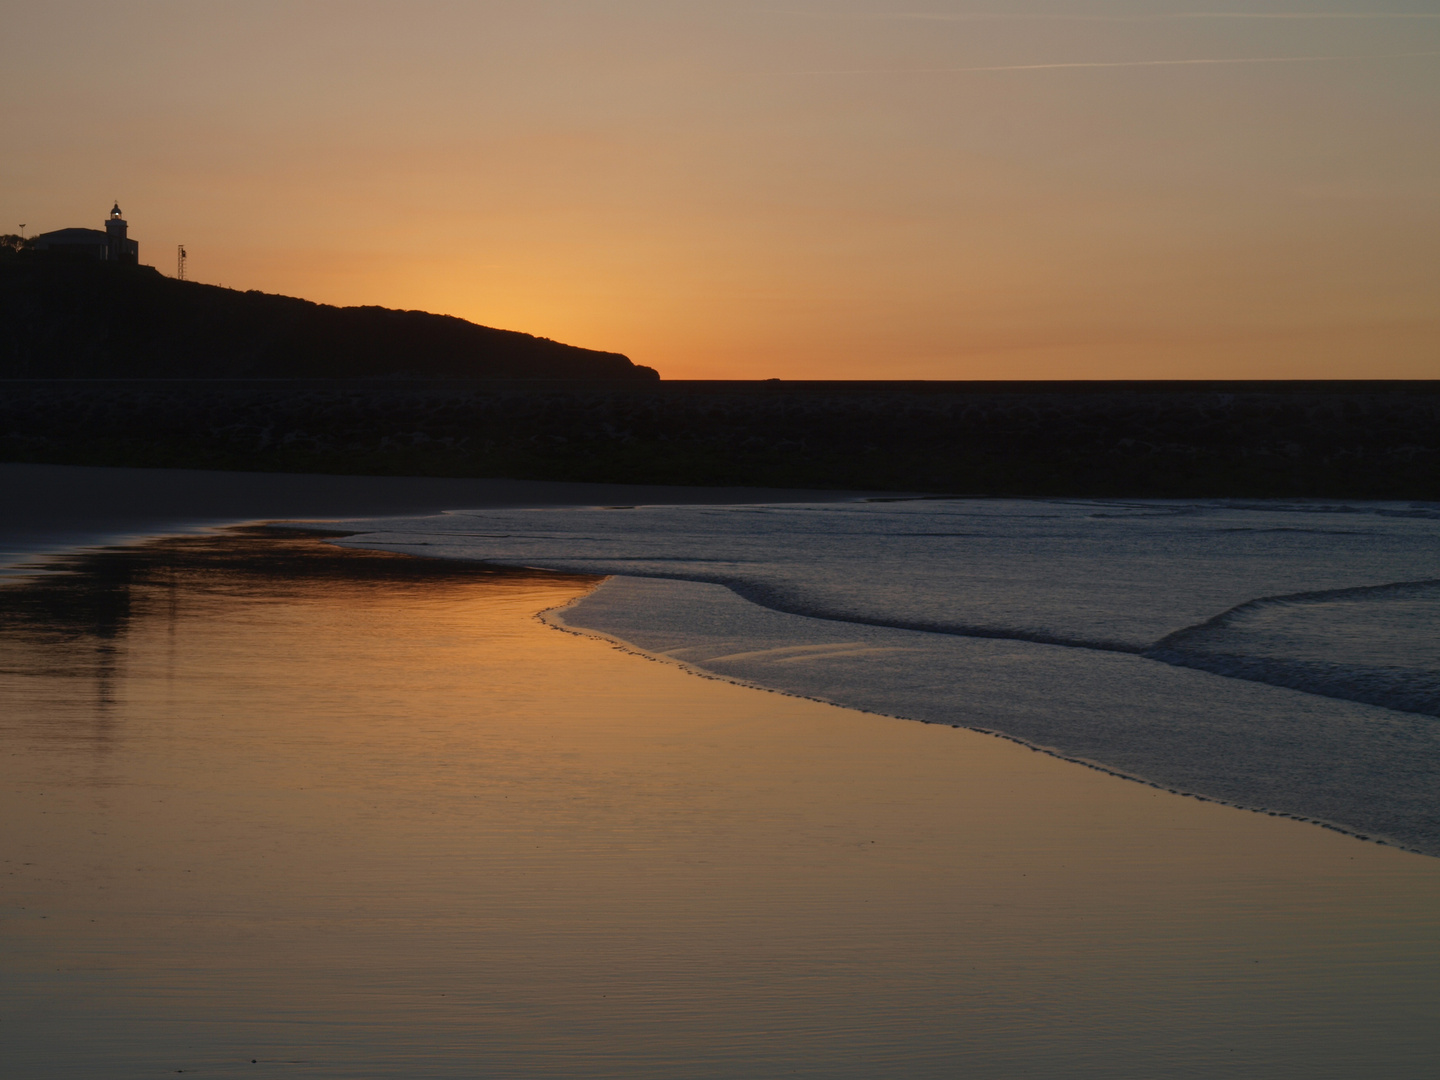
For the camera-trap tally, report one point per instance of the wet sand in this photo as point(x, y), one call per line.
point(58, 507)
point(356, 814)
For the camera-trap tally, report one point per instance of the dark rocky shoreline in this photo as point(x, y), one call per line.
point(1158, 439)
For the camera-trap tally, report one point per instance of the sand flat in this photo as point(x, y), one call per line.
point(51, 508)
point(358, 814)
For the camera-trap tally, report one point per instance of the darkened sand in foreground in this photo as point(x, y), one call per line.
point(57, 507)
point(353, 814)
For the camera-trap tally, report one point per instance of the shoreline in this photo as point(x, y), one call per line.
point(833, 603)
point(139, 505)
point(531, 846)
point(555, 618)
point(51, 509)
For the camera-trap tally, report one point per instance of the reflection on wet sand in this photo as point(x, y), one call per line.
point(357, 814)
point(72, 620)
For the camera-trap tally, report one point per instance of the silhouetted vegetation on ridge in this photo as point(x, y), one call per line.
point(63, 318)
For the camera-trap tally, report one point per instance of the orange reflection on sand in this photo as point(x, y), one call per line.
point(367, 813)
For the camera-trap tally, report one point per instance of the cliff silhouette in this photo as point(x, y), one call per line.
point(71, 319)
point(107, 364)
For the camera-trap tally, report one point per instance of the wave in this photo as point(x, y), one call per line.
point(1135, 577)
point(1374, 644)
point(1398, 689)
point(1215, 646)
point(1084, 627)
point(1365, 770)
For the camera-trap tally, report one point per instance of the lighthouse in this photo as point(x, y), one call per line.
point(112, 245)
point(117, 247)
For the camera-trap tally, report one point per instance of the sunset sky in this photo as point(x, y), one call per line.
point(795, 188)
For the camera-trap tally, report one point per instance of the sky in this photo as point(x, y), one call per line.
point(801, 189)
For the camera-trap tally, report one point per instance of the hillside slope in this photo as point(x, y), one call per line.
point(62, 319)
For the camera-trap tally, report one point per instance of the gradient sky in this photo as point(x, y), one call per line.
point(794, 188)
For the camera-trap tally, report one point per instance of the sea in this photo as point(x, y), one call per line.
point(1278, 656)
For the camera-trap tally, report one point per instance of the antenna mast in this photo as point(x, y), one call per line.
point(180, 258)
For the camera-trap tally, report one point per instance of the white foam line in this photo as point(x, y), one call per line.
point(871, 651)
point(783, 650)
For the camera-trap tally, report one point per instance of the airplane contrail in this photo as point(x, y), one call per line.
point(1296, 15)
point(977, 16)
point(1105, 64)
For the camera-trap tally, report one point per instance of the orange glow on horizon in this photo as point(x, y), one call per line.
point(745, 194)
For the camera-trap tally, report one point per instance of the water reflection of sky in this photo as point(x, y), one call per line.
point(359, 814)
point(66, 625)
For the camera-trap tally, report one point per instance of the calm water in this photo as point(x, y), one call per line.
point(359, 815)
point(1279, 656)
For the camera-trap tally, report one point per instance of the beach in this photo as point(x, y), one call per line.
point(276, 804)
point(60, 507)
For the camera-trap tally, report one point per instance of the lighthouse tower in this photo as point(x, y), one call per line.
point(117, 247)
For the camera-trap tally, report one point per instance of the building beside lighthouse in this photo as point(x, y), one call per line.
point(110, 245)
